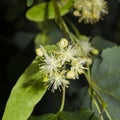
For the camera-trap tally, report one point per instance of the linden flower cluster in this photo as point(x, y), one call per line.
point(90, 10)
point(63, 64)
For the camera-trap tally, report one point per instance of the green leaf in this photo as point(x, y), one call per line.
point(106, 77)
point(51, 48)
point(100, 43)
point(64, 115)
point(44, 11)
point(27, 92)
point(43, 117)
point(81, 99)
point(81, 115)
point(29, 3)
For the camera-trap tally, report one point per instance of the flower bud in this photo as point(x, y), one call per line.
point(39, 52)
point(95, 51)
point(76, 13)
point(45, 79)
point(70, 75)
point(63, 43)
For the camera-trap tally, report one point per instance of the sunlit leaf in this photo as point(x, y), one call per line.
point(27, 92)
point(46, 11)
point(106, 77)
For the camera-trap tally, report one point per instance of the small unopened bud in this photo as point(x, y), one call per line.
point(76, 13)
point(39, 52)
point(70, 75)
point(104, 105)
point(63, 43)
point(95, 51)
point(45, 79)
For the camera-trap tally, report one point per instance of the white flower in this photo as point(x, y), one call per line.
point(43, 50)
point(63, 43)
point(54, 62)
point(50, 64)
point(67, 54)
point(78, 66)
point(57, 80)
point(90, 10)
point(85, 46)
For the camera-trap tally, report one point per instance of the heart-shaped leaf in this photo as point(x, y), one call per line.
point(106, 78)
point(100, 43)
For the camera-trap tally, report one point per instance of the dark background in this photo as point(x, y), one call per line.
point(17, 45)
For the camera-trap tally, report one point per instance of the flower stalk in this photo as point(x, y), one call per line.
point(59, 19)
point(63, 99)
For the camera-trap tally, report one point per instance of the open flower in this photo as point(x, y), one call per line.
point(57, 80)
point(67, 54)
point(90, 10)
point(78, 66)
point(50, 64)
point(85, 46)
